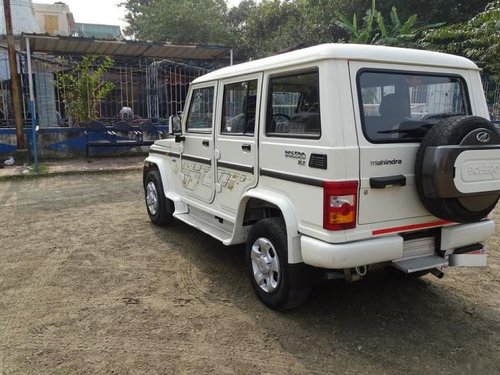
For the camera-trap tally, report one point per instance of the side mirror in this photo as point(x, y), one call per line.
point(174, 125)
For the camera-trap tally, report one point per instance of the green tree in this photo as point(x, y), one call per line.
point(178, 21)
point(320, 20)
point(134, 9)
point(365, 33)
point(236, 16)
point(374, 30)
point(84, 87)
point(449, 11)
point(477, 39)
point(271, 26)
point(254, 28)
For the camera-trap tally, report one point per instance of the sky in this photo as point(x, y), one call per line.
point(100, 11)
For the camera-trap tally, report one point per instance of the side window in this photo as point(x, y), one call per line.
point(238, 110)
point(200, 116)
point(293, 106)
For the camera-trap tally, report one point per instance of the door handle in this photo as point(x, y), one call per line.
point(246, 147)
point(382, 182)
point(205, 143)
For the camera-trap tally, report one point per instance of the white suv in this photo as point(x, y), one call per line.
point(336, 158)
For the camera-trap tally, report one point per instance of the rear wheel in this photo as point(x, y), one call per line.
point(279, 285)
point(160, 208)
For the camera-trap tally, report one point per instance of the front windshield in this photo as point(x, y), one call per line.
point(402, 106)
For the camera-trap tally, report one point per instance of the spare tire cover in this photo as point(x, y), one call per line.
point(435, 168)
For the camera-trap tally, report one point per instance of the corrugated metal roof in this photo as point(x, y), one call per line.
point(65, 45)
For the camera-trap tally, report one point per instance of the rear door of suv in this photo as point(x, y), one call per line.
point(236, 146)
point(394, 106)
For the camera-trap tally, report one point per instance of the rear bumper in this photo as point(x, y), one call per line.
point(352, 254)
point(466, 234)
point(384, 249)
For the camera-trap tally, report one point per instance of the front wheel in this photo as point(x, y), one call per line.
point(160, 208)
point(279, 285)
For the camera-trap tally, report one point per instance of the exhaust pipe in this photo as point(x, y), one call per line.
point(438, 273)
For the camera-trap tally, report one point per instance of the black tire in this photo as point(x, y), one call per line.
point(452, 131)
point(160, 212)
point(290, 284)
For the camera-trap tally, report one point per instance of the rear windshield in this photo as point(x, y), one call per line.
point(402, 106)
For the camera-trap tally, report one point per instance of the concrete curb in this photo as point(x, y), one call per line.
point(69, 172)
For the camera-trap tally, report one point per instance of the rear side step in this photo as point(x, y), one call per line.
point(419, 264)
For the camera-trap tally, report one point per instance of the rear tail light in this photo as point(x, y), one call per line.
point(340, 205)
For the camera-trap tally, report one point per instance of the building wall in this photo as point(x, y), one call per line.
point(55, 19)
point(23, 17)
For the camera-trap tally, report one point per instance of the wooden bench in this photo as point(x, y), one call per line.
point(98, 135)
point(122, 135)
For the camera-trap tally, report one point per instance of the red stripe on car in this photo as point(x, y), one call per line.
point(410, 227)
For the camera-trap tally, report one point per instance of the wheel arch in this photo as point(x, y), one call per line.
point(257, 204)
point(154, 162)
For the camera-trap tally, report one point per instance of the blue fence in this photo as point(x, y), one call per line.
point(57, 143)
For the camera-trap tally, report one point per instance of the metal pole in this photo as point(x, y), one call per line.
point(32, 106)
point(231, 57)
point(22, 152)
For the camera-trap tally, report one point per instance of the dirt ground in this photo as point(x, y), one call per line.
point(89, 286)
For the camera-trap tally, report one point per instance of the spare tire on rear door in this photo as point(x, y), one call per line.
point(457, 169)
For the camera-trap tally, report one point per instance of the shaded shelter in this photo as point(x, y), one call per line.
point(150, 78)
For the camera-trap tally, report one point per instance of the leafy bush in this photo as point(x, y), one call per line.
point(83, 88)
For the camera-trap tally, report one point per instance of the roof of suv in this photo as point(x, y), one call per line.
point(360, 52)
